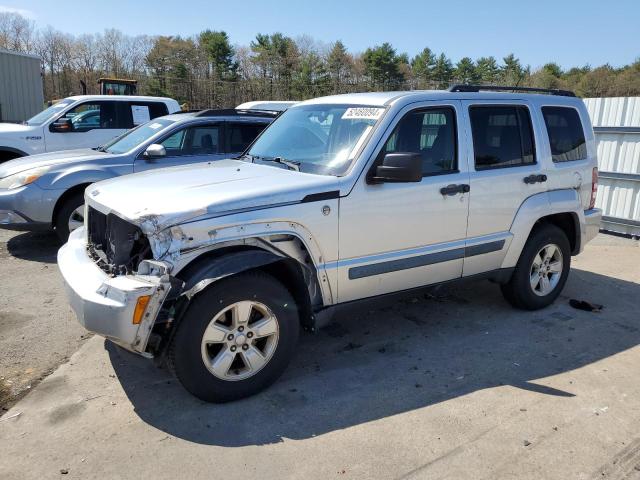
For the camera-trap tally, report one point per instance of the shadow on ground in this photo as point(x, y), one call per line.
point(396, 359)
point(35, 246)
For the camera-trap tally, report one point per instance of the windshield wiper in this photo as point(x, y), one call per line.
point(245, 156)
point(291, 165)
point(99, 148)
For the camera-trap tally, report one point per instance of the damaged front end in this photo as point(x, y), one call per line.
point(122, 308)
point(132, 280)
point(114, 244)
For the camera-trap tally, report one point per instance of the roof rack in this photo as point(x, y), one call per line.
point(503, 88)
point(224, 112)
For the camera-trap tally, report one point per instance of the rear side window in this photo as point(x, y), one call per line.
point(502, 136)
point(198, 140)
point(137, 113)
point(205, 140)
point(566, 135)
point(240, 135)
point(431, 134)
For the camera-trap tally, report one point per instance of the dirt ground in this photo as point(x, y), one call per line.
point(37, 330)
point(454, 384)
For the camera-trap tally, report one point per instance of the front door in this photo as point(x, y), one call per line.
point(92, 124)
point(396, 236)
point(197, 143)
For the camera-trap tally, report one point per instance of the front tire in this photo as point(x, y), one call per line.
point(70, 216)
point(236, 338)
point(541, 271)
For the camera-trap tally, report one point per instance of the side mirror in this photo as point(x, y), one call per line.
point(61, 125)
point(155, 150)
point(399, 167)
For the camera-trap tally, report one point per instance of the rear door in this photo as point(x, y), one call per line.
point(505, 170)
point(203, 142)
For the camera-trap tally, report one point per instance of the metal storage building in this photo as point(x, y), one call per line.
point(616, 124)
point(21, 95)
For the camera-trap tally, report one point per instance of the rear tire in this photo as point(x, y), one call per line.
point(69, 216)
point(541, 271)
point(236, 338)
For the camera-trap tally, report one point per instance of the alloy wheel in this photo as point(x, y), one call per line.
point(76, 219)
point(546, 270)
point(240, 340)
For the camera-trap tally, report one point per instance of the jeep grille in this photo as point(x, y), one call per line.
point(116, 245)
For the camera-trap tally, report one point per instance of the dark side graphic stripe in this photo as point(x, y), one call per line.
point(422, 260)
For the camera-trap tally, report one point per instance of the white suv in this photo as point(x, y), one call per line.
point(346, 198)
point(84, 121)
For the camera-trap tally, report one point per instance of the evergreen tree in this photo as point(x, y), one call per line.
point(423, 65)
point(382, 65)
point(442, 71)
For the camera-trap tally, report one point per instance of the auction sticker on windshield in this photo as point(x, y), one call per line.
point(362, 113)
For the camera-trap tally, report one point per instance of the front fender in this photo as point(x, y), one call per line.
point(206, 272)
point(73, 176)
point(179, 246)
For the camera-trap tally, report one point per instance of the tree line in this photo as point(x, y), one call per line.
point(208, 70)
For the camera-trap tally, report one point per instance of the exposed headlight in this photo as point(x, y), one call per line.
point(23, 178)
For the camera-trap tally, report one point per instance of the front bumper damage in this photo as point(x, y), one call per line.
point(105, 304)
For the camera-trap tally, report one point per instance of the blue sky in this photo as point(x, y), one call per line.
point(573, 33)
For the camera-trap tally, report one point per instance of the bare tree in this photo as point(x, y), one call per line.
point(206, 70)
point(17, 33)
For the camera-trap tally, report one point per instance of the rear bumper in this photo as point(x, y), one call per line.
point(592, 219)
point(105, 305)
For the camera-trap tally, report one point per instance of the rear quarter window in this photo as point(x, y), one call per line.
point(566, 135)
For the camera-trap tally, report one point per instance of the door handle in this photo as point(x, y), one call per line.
point(453, 189)
point(531, 179)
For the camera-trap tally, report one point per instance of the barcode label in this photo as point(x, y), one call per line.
point(362, 113)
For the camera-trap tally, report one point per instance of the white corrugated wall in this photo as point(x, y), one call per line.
point(616, 123)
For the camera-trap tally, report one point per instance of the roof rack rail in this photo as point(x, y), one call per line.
point(223, 112)
point(504, 88)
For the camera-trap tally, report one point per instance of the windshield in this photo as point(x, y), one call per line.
point(317, 138)
point(132, 138)
point(50, 112)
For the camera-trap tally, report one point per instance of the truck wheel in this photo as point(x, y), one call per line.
point(236, 338)
point(541, 271)
point(70, 216)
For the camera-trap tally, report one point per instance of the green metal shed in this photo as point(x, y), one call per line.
point(21, 95)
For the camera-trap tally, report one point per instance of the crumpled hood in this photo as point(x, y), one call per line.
point(160, 198)
point(65, 157)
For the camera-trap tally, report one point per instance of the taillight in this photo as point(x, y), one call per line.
point(594, 187)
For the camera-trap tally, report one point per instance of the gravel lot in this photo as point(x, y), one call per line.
point(37, 329)
point(451, 385)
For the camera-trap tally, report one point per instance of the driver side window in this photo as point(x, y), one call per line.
point(431, 133)
point(92, 116)
point(174, 143)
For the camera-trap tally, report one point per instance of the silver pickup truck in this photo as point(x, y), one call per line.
point(215, 267)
